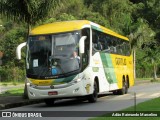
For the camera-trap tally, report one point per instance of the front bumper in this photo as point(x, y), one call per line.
point(41, 92)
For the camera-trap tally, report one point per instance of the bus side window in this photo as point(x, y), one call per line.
point(85, 57)
point(123, 48)
point(115, 45)
point(102, 41)
point(128, 49)
point(108, 44)
point(112, 45)
point(119, 50)
point(96, 41)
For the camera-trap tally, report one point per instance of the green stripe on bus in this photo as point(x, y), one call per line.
point(63, 80)
point(108, 67)
point(96, 28)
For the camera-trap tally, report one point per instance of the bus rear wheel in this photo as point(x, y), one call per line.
point(49, 102)
point(93, 97)
point(124, 89)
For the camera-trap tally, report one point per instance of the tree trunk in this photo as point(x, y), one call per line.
point(155, 72)
point(154, 69)
point(28, 30)
point(134, 62)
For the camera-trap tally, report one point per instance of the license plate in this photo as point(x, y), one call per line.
point(53, 93)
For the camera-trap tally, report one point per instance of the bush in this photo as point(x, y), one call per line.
point(13, 74)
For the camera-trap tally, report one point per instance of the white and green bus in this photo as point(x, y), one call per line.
point(73, 59)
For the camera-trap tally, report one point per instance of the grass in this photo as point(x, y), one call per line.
point(150, 106)
point(13, 92)
point(146, 79)
point(143, 79)
point(10, 83)
point(155, 80)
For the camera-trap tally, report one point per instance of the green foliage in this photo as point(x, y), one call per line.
point(143, 69)
point(12, 69)
point(140, 33)
point(14, 74)
point(95, 17)
point(62, 17)
point(150, 12)
point(72, 7)
point(116, 12)
point(28, 11)
point(65, 17)
point(10, 41)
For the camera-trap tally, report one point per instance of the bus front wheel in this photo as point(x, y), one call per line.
point(93, 97)
point(49, 102)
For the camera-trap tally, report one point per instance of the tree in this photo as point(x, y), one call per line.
point(12, 35)
point(116, 13)
point(152, 51)
point(149, 10)
point(70, 7)
point(140, 34)
point(27, 11)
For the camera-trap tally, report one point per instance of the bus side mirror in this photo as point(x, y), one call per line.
point(82, 44)
point(18, 50)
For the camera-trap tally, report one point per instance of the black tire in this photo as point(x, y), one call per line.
point(126, 87)
point(49, 102)
point(115, 92)
point(93, 97)
point(123, 90)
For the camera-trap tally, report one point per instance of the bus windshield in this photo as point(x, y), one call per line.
point(52, 55)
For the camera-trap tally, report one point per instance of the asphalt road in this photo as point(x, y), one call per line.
point(107, 102)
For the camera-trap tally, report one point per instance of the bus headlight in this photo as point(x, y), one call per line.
point(76, 80)
point(29, 83)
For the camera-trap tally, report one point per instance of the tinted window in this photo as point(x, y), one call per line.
point(110, 44)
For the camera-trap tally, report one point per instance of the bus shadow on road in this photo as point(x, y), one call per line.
point(83, 101)
point(67, 102)
point(105, 95)
point(74, 101)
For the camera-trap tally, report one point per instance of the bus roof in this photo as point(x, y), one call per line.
point(66, 26)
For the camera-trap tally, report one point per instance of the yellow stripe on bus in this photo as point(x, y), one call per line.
point(42, 82)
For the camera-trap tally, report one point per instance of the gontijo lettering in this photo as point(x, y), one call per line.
point(120, 61)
